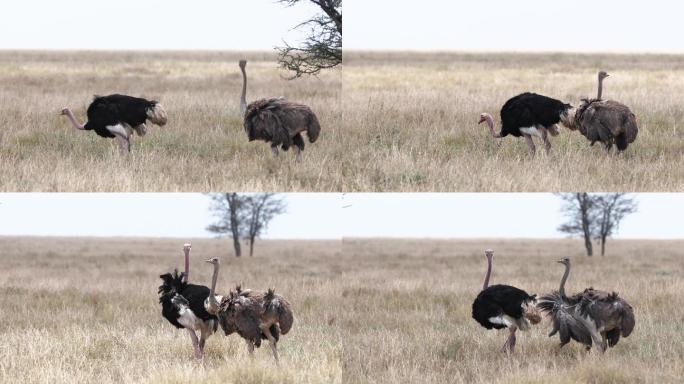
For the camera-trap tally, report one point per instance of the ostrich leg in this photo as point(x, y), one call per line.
point(204, 334)
point(298, 142)
point(274, 150)
point(124, 144)
point(530, 145)
point(298, 154)
point(250, 348)
point(195, 344)
point(545, 137)
point(509, 345)
point(271, 341)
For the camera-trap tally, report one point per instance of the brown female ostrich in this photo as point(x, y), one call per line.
point(591, 316)
point(503, 306)
point(277, 121)
point(607, 121)
point(253, 315)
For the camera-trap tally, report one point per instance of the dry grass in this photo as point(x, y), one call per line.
point(408, 306)
point(203, 148)
point(411, 119)
point(86, 311)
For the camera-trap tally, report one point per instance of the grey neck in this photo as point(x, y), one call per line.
point(187, 265)
point(600, 88)
point(561, 290)
point(214, 279)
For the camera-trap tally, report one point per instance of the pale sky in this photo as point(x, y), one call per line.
point(149, 24)
point(522, 25)
point(324, 215)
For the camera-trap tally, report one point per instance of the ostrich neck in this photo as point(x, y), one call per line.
point(488, 274)
point(214, 278)
point(187, 266)
point(600, 88)
point(561, 290)
point(490, 123)
point(73, 120)
point(243, 96)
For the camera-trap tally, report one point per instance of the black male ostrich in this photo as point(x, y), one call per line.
point(527, 115)
point(503, 306)
point(183, 305)
point(277, 121)
point(253, 315)
point(591, 316)
point(117, 116)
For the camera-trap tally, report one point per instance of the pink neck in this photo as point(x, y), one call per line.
point(73, 120)
point(489, 274)
point(490, 123)
point(187, 265)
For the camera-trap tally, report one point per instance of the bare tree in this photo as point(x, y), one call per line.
point(612, 208)
point(322, 48)
point(230, 212)
point(262, 209)
point(579, 209)
point(244, 216)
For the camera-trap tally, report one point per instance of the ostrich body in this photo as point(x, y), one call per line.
point(607, 121)
point(503, 306)
point(592, 316)
point(118, 116)
point(183, 306)
point(252, 315)
point(277, 121)
point(527, 115)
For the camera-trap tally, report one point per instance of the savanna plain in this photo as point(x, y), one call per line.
point(203, 147)
point(407, 312)
point(410, 121)
point(85, 310)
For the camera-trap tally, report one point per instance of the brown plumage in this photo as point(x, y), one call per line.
point(590, 317)
point(277, 121)
point(607, 121)
point(252, 315)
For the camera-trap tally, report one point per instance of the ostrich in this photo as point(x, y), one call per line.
point(277, 121)
point(527, 115)
point(117, 116)
point(607, 121)
point(253, 315)
point(183, 305)
point(592, 316)
point(503, 306)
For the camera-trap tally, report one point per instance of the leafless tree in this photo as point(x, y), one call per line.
point(612, 208)
point(595, 216)
point(230, 211)
point(262, 208)
point(244, 216)
point(322, 48)
point(579, 209)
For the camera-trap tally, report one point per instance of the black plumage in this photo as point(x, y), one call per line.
point(193, 294)
point(119, 109)
point(530, 110)
point(498, 300)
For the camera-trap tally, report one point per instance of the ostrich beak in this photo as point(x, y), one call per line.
point(208, 261)
point(561, 261)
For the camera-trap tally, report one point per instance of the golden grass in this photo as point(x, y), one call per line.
point(202, 148)
point(407, 315)
point(411, 120)
point(85, 310)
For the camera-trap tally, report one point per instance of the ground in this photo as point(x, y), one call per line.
point(366, 311)
point(202, 148)
point(411, 120)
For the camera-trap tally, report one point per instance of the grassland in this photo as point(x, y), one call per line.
point(408, 304)
point(202, 148)
point(367, 311)
point(411, 120)
point(86, 311)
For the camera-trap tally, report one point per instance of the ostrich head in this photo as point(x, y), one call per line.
point(567, 117)
point(213, 260)
point(242, 63)
point(489, 254)
point(602, 75)
point(565, 261)
point(64, 112)
point(486, 117)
